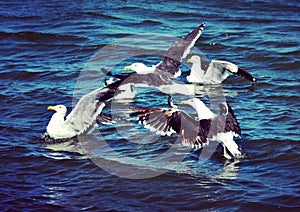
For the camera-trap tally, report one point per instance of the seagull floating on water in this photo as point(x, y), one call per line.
point(216, 72)
point(195, 133)
point(84, 115)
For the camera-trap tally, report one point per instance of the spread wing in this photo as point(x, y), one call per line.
point(168, 121)
point(217, 71)
point(179, 50)
point(231, 122)
point(193, 133)
point(85, 112)
point(154, 79)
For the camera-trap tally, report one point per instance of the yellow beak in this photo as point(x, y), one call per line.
point(189, 61)
point(51, 108)
point(183, 102)
point(127, 68)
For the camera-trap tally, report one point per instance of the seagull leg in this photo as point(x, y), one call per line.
point(225, 154)
point(170, 102)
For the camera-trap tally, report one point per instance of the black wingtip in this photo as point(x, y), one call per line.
point(201, 27)
point(246, 75)
point(105, 71)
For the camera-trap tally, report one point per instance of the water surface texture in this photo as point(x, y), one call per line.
point(50, 54)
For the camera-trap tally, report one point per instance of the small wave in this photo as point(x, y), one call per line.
point(102, 15)
point(118, 35)
point(294, 65)
point(272, 149)
point(151, 22)
point(179, 14)
point(40, 37)
point(126, 8)
point(21, 75)
point(252, 20)
point(294, 52)
point(14, 17)
point(32, 76)
point(289, 98)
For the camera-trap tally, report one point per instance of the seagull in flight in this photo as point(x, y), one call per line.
point(195, 133)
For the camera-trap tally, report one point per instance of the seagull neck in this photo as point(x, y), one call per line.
point(147, 70)
point(204, 112)
point(57, 120)
point(196, 73)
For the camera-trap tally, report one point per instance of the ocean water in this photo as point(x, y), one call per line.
point(52, 53)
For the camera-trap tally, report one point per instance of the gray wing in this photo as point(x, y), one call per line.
point(154, 79)
point(168, 121)
point(88, 108)
point(215, 73)
point(179, 50)
point(85, 112)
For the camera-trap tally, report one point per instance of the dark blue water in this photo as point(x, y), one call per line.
point(47, 57)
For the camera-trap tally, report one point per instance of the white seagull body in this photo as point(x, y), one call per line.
point(195, 133)
point(84, 115)
point(216, 72)
point(81, 118)
point(61, 128)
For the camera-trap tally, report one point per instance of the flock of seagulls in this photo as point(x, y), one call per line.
point(196, 133)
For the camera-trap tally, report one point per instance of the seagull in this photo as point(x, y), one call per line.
point(160, 75)
point(195, 133)
point(84, 115)
point(216, 72)
point(170, 64)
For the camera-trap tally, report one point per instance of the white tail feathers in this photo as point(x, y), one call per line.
point(226, 139)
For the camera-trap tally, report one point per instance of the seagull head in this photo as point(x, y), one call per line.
point(194, 102)
point(194, 59)
point(61, 109)
point(138, 68)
